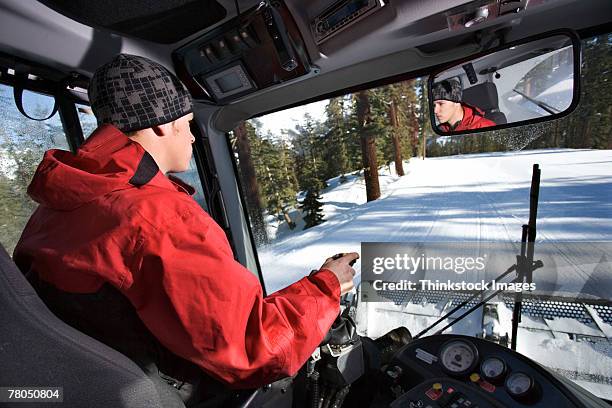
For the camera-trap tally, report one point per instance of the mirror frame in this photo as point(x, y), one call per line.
point(577, 54)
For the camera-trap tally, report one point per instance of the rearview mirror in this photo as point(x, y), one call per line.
point(525, 82)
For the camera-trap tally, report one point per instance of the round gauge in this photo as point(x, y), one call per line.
point(519, 384)
point(458, 357)
point(493, 369)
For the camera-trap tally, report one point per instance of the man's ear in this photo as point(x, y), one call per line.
point(163, 130)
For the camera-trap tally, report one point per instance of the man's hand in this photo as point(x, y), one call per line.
point(343, 271)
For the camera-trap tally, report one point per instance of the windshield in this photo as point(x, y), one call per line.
point(545, 84)
point(310, 196)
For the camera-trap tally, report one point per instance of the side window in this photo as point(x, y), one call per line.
point(87, 119)
point(22, 144)
point(192, 178)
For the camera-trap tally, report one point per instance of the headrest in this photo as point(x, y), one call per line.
point(483, 96)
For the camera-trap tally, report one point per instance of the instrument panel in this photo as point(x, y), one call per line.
point(458, 371)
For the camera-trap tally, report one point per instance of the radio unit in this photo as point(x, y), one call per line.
point(340, 16)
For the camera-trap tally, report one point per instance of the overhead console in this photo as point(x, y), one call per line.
point(259, 49)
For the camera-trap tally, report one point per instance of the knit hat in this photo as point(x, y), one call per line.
point(134, 93)
point(449, 90)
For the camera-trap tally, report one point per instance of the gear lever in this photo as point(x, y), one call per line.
point(340, 255)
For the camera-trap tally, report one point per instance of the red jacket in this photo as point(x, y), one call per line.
point(470, 120)
point(107, 214)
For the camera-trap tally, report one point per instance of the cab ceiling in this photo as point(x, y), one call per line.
point(160, 21)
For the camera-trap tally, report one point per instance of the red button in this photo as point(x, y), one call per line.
point(487, 386)
point(433, 394)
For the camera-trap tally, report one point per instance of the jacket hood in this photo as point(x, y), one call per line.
point(108, 161)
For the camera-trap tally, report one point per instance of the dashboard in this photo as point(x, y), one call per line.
point(458, 371)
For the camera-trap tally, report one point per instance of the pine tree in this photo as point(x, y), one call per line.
point(422, 114)
point(335, 153)
point(379, 125)
point(279, 187)
point(310, 167)
point(594, 115)
point(368, 145)
point(402, 118)
point(351, 137)
point(408, 108)
point(312, 209)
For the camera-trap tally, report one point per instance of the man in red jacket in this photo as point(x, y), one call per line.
point(119, 248)
point(452, 114)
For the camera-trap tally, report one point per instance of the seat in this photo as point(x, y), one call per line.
point(484, 96)
point(39, 350)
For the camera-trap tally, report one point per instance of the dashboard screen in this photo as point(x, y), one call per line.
point(228, 82)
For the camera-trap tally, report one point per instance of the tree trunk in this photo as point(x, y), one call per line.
point(368, 147)
point(288, 220)
point(587, 141)
point(414, 124)
point(251, 186)
point(424, 145)
point(399, 167)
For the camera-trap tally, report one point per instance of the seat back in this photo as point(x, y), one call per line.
point(39, 350)
point(484, 96)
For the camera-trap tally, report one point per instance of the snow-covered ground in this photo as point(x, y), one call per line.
point(483, 197)
point(480, 197)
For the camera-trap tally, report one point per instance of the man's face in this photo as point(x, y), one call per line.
point(444, 110)
point(181, 149)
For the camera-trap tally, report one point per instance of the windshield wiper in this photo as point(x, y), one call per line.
point(465, 302)
point(525, 264)
point(524, 268)
point(550, 109)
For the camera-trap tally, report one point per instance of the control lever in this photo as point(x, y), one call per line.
point(340, 255)
point(343, 330)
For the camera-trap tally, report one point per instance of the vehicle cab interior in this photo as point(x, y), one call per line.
point(244, 61)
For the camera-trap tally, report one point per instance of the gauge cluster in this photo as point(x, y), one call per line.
point(452, 370)
point(460, 358)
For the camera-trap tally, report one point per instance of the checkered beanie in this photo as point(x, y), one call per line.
point(449, 90)
point(134, 93)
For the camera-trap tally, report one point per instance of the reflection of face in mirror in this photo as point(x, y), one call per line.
point(515, 84)
point(452, 113)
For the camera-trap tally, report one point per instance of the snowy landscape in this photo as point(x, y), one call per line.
point(478, 197)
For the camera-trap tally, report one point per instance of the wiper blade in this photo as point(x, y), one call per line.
point(476, 306)
point(550, 109)
point(462, 304)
